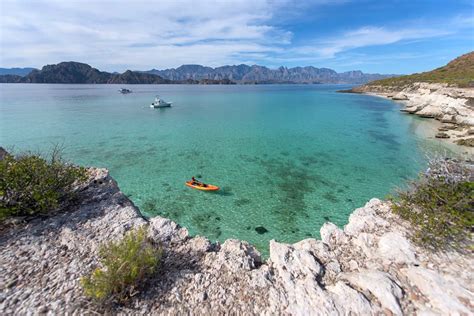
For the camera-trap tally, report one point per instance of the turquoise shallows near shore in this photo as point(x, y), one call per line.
point(287, 157)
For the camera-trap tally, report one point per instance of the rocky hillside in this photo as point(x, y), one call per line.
point(260, 74)
point(367, 268)
point(458, 72)
point(73, 72)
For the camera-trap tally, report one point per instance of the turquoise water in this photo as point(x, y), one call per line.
point(287, 157)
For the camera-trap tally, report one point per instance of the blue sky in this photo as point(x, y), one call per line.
point(403, 36)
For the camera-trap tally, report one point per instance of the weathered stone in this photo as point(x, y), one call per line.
point(365, 220)
point(394, 247)
point(349, 301)
point(444, 294)
point(442, 135)
point(163, 229)
point(380, 285)
point(238, 255)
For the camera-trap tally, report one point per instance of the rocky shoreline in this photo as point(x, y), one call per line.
point(367, 268)
point(452, 106)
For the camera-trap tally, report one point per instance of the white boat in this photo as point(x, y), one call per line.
point(160, 103)
point(125, 91)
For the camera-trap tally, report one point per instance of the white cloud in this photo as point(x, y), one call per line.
point(121, 34)
point(140, 34)
point(367, 36)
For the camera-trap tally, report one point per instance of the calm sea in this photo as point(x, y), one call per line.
point(287, 157)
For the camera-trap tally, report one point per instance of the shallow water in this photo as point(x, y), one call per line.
point(287, 157)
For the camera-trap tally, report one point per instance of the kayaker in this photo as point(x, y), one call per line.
point(195, 182)
point(199, 183)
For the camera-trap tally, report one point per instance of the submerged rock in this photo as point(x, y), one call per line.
point(261, 230)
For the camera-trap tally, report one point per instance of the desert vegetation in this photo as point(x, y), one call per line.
point(458, 72)
point(32, 184)
point(440, 205)
point(124, 268)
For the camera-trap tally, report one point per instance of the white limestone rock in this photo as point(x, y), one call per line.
point(349, 301)
point(365, 219)
point(445, 295)
point(165, 230)
point(394, 247)
point(380, 285)
point(239, 255)
point(317, 248)
point(332, 235)
point(365, 242)
point(298, 271)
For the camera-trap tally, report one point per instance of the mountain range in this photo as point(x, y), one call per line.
point(74, 72)
point(16, 71)
point(260, 74)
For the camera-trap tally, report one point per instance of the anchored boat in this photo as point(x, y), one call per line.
point(125, 91)
point(160, 103)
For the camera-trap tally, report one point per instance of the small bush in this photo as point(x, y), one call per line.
point(126, 263)
point(440, 206)
point(30, 184)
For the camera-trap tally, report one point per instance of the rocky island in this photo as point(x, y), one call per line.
point(369, 267)
point(445, 94)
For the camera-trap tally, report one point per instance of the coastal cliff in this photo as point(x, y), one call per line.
point(445, 94)
point(369, 267)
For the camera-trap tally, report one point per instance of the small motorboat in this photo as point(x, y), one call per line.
point(201, 186)
point(125, 91)
point(160, 103)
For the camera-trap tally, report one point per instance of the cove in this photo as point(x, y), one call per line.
point(287, 157)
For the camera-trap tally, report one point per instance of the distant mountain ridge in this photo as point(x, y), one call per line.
point(74, 72)
point(16, 71)
point(261, 74)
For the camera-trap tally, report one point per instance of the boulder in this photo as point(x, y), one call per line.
point(380, 285)
point(165, 230)
point(350, 301)
point(400, 97)
point(430, 111)
point(445, 295)
point(442, 135)
point(298, 272)
point(396, 248)
point(238, 255)
point(332, 235)
point(293, 263)
point(317, 248)
point(365, 219)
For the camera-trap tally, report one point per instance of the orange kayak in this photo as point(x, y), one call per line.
point(202, 186)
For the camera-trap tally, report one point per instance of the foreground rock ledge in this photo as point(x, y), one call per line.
point(368, 268)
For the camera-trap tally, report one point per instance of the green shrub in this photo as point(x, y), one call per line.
point(126, 263)
point(30, 184)
point(440, 207)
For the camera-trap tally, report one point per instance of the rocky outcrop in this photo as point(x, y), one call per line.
point(367, 268)
point(450, 105)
